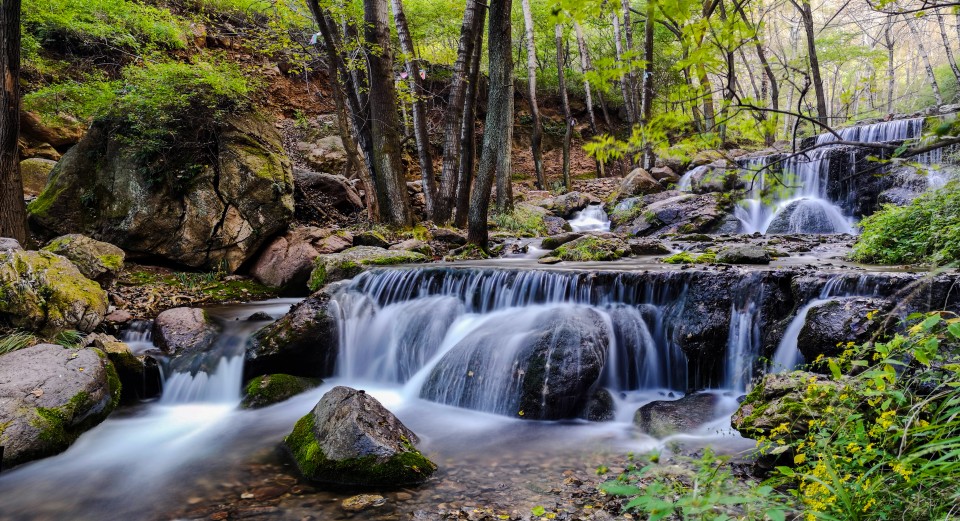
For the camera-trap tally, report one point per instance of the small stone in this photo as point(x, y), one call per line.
point(403, 496)
point(363, 502)
point(247, 495)
point(219, 516)
point(265, 493)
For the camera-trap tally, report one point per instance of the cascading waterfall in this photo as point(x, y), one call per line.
point(744, 338)
point(590, 219)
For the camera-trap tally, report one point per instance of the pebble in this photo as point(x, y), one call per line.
point(363, 502)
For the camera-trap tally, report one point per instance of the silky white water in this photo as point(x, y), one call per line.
point(590, 219)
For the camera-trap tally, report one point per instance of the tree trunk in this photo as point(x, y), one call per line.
point(806, 15)
point(446, 199)
point(568, 118)
point(353, 160)
point(647, 102)
point(537, 131)
point(629, 48)
point(947, 47)
point(926, 59)
point(498, 129)
point(624, 83)
point(888, 41)
point(586, 68)
point(13, 214)
point(468, 130)
point(384, 131)
point(419, 111)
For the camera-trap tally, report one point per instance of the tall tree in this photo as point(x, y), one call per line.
point(806, 18)
point(419, 111)
point(888, 43)
point(468, 130)
point(624, 82)
point(446, 198)
point(646, 104)
point(13, 215)
point(586, 67)
point(629, 48)
point(947, 47)
point(926, 59)
point(537, 132)
point(565, 101)
point(498, 129)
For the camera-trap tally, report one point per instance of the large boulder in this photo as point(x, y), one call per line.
point(303, 342)
point(353, 261)
point(139, 374)
point(639, 182)
point(831, 325)
point(662, 418)
point(49, 395)
point(44, 292)
point(547, 370)
point(98, 261)
point(326, 154)
point(35, 171)
point(808, 216)
point(319, 188)
point(592, 248)
point(744, 254)
point(567, 204)
point(791, 399)
point(179, 331)
point(214, 214)
point(677, 213)
point(287, 262)
point(8, 244)
point(350, 439)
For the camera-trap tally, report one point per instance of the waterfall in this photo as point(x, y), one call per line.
point(744, 338)
point(139, 336)
point(685, 184)
point(590, 219)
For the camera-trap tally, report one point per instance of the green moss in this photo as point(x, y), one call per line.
point(318, 277)
point(404, 468)
point(590, 248)
point(42, 204)
point(111, 262)
point(686, 257)
point(467, 252)
point(113, 380)
point(270, 389)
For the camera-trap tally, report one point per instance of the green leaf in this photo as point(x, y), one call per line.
point(620, 490)
point(834, 369)
point(787, 471)
point(776, 515)
point(538, 511)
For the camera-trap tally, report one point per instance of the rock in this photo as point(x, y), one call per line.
point(565, 347)
point(370, 238)
point(743, 254)
point(718, 176)
point(414, 245)
point(9, 245)
point(326, 154)
point(287, 262)
point(35, 172)
point(274, 388)
point(45, 292)
point(351, 262)
point(729, 225)
point(665, 417)
point(680, 213)
point(664, 174)
point(567, 204)
point(333, 190)
point(96, 260)
point(218, 218)
point(831, 325)
point(600, 408)
point(118, 317)
point(363, 502)
point(792, 398)
point(592, 248)
point(706, 156)
point(350, 439)
point(625, 211)
point(139, 375)
point(448, 236)
point(33, 130)
point(184, 330)
point(556, 225)
point(808, 216)
point(303, 342)
point(639, 182)
point(49, 395)
point(554, 241)
point(466, 252)
point(647, 247)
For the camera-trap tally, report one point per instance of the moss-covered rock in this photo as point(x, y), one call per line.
point(44, 292)
point(592, 248)
point(139, 375)
point(466, 252)
point(49, 395)
point(274, 388)
point(353, 261)
point(785, 399)
point(35, 172)
point(97, 260)
point(350, 439)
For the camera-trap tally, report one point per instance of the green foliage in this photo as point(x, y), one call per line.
point(590, 248)
point(925, 231)
point(522, 221)
point(685, 257)
point(16, 341)
point(70, 339)
point(73, 103)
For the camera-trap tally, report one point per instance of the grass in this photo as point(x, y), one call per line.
point(522, 221)
point(16, 341)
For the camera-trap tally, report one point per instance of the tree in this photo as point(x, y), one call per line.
point(912, 25)
point(565, 101)
point(468, 128)
point(498, 129)
point(806, 17)
point(646, 104)
point(13, 214)
point(537, 131)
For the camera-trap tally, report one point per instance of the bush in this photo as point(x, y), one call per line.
point(925, 231)
point(522, 221)
point(72, 103)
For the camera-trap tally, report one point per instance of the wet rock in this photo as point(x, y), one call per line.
point(239, 197)
point(351, 439)
point(371, 238)
point(744, 254)
point(351, 262)
point(639, 182)
point(677, 213)
point(640, 246)
point(808, 216)
point(9, 245)
point(182, 330)
point(466, 252)
point(554, 241)
point(274, 388)
point(96, 260)
point(139, 375)
point(414, 245)
point(665, 417)
point(332, 190)
point(303, 342)
point(363, 502)
point(592, 248)
point(830, 326)
point(729, 225)
point(45, 292)
point(718, 176)
point(785, 398)
point(625, 211)
point(555, 225)
point(287, 262)
point(600, 408)
point(565, 347)
point(35, 172)
point(49, 395)
point(567, 204)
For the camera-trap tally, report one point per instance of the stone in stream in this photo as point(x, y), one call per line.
point(554, 241)
point(676, 213)
point(97, 260)
point(556, 225)
point(662, 418)
point(274, 388)
point(832, 325)
point(351, 262)
point(139, 375)
point(287, 262)
point(363, 502)
point(303, 342)
point(605, 247)
point(567, 204)
point(49, 395)
point(808, 216)
point(44, 292)
point(743, 254)
point(639, 182)
point(350, 439)
point(180, 330)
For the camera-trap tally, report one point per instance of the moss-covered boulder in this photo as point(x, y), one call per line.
point(567, 204)
point(639, 182)
point(662, 418)
point(35, 171)
point(49, 395)
point(139, 374)
point(673, 212)
point(785, 399)
point(44, 292)
point(303, 342)
point(212, 207)
point(555, 241)
point(269, 389)
point(353, 261)
point(97, 260)
point(350, 439)
point(592, 248)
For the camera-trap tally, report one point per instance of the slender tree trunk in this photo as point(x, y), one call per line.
point(647, 102)
point(947, 46)
point(384, 131)
point(419, 111)
point(630, 48)
point(586, 67)
point(446, 198)
point(13, 214)
point(537, 131)
point(888, 41)
point(498, 129)
point(624, 82)
point(770, 132)
point(468, 130)
point(806, 16)
point(353, 160)
point(568, 118)
point(926, 59)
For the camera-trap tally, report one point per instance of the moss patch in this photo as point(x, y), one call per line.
point(686, 257)
point(274, 388)
point(591, 248)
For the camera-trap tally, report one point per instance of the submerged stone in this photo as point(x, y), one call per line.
point(350, 439)
point(662, 418)
point(274, 388)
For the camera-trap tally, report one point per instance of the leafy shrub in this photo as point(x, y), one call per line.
point(522, 221)
point(925, 231)
point(72, 103)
